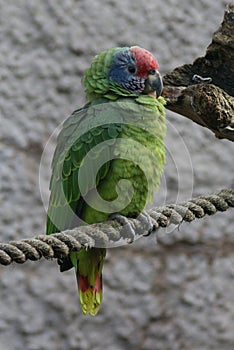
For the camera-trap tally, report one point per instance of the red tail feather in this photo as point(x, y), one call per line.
point(84, 285)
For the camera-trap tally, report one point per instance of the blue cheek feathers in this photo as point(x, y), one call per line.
point(131, 83)
point(119, 72)
point(119, 75)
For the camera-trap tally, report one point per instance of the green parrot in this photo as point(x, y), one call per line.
point(109, 157)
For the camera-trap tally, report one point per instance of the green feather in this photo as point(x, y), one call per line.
point(112, 113)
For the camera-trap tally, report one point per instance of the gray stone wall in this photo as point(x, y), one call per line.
point(155, 297)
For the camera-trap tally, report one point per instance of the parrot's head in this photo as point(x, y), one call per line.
point(127, 71)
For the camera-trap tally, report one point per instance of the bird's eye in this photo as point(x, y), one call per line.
point(152, 72)
point(132, 69)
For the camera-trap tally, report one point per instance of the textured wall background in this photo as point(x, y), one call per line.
point(174, 297)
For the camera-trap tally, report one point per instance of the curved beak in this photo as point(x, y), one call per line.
point(154, 84)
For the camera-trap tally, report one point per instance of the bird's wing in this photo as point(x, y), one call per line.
point(81, 132)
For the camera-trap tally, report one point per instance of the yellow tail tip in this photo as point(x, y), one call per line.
point(90, 302)
point(90, 295)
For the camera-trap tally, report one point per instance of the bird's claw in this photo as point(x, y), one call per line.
point(128, 227)
point(130, 230)
point(146, 223)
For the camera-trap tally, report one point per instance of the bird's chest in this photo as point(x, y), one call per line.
point(135, 171)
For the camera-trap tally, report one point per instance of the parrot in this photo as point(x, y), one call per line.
point(116, 138)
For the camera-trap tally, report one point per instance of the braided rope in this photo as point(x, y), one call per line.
point(59, 245)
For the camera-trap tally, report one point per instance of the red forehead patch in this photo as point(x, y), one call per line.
point(145, 61)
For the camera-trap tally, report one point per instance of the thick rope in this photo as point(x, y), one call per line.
point(59, 245)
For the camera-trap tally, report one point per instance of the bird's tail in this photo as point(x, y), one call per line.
point(88, 266)
point(90, 295)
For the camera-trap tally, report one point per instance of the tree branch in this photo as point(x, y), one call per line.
point(203, 91)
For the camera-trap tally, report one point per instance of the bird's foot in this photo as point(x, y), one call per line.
point(143, 226)
point(146, 223)
point(128, 227)
point(65, 264)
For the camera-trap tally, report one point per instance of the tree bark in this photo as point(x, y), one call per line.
point(204, 90)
